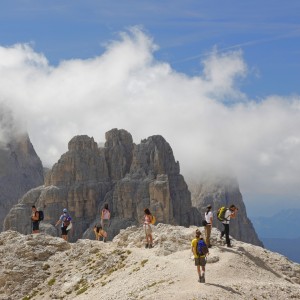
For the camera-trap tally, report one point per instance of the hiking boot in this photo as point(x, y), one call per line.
point(146, 246)
point(150, 246)
point(229, 246)
point(221, 236)
point(202, 279)
point(209, 246)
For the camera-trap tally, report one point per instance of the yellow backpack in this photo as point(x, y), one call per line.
point(153, 221)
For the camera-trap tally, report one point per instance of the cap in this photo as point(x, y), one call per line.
point(208, 206)
point(65, 210)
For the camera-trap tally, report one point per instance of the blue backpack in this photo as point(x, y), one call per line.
point(202, 248)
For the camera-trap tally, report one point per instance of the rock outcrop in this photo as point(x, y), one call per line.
point(224, 191)
point(20, 170)
point(128, 177)
point(43, 267)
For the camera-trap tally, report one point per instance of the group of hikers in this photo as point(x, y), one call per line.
point(199, 246)
point(65, 222)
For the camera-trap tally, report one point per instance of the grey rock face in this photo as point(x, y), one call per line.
point(129, 178)
point(221, 191)
point(118, 152)
point(126, 176)
point(20, 170)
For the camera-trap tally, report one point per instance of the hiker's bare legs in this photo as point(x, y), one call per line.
point(198, 271)
point(150, 239)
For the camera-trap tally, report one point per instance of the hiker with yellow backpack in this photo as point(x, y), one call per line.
point(224, 215)
point(149, 220)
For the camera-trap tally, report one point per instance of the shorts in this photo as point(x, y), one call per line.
point(200, 261)
point(105, 223)
point(64, 230)
point(35, 226)
point(148, 229)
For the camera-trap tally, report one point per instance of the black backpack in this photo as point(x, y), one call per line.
point(41, 215)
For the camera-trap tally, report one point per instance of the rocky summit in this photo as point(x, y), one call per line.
point(129, 177)
point(40, 266)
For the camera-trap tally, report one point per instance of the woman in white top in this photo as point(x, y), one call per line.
point(209, 220)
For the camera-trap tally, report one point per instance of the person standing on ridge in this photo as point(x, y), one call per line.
point(105, 219)
point(231, 212)
point(35, 220)
point(65, 221)
point(147, 228)
point(208, 227)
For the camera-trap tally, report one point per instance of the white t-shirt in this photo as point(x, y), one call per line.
point(227, 216)
point(208, 216)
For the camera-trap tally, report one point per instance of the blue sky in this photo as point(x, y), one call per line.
point(218, 79)
point(268, 33)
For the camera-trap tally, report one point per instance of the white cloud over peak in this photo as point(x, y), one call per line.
point(207, 120)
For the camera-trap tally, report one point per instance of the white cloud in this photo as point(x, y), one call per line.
point(206, 119)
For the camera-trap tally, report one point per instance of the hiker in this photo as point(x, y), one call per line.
point(200, 258)
point(229, 213)
point(208, 226)
point(35, 220)
point(147, 228)
point(99, 233)
point(65, 221)
point(105, 219)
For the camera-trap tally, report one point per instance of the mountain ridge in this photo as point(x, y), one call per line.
point(44, 267)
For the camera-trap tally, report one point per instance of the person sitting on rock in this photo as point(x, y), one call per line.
point(100, 233)
point(147, 228)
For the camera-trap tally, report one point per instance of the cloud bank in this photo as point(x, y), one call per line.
point(208, 121)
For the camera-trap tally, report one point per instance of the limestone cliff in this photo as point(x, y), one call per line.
point(128, 177)
point(223, 191)
point(20, 171)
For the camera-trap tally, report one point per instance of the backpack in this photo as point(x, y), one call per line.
point(202, 248)
point(153, 221)
point(41, 215)
point(204, 223)
point(221, 213)
point(67, 221)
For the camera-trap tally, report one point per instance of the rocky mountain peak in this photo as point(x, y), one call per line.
point(154, 156)
point(128, 177)
point(81, 143)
